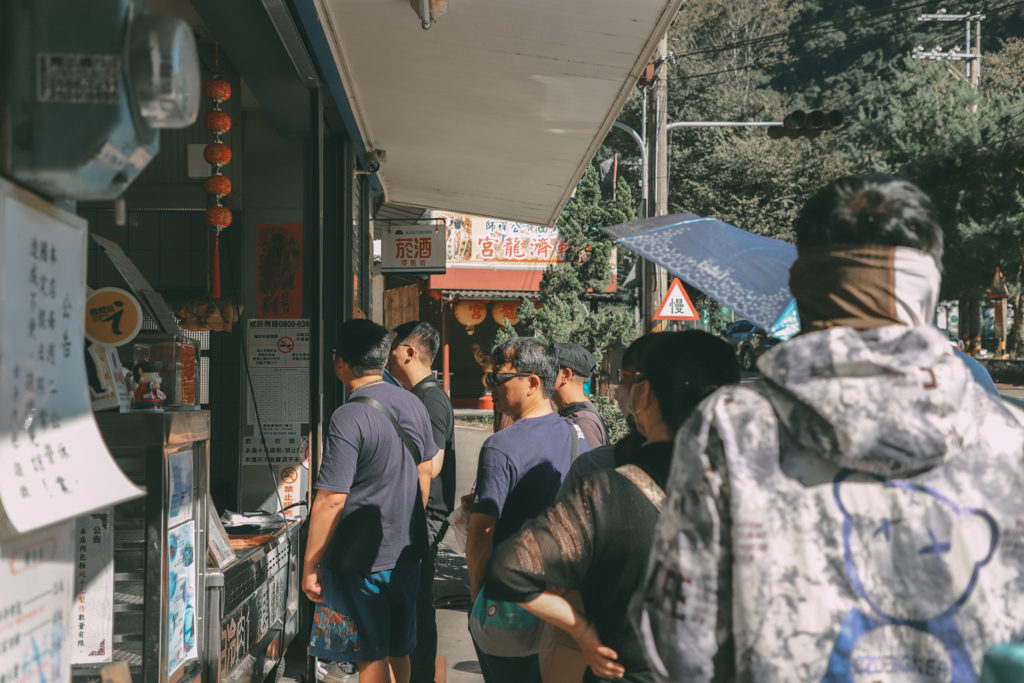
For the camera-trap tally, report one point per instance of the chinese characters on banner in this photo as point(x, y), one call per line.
point(413, 249)
point(474, 241)
point(279, 270)
point(54, 465)
point(36, 589)
point(92, 617)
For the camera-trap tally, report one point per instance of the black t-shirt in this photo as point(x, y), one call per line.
point(609, 523)
point(442, 422)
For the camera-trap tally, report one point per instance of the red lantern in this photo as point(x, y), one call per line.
point(217, 184)
point(217, 153)
point(217, 121)
point(218, 217)
point(217, 89)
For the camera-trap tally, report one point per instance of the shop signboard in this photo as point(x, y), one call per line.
point(279, 270)
point(55, 463)
point(36, 609)
point(92, 638)
point(413, 249)
point(478, 242)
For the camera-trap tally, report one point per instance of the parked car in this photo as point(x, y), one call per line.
point(749, 342)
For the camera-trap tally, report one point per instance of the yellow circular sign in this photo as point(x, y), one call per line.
point(112, 317)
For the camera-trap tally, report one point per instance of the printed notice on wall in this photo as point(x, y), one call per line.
point(36, 611)
point(284, 442)
point(279, 343)
point(54, 464)
point(278, 357)
point(92, 632)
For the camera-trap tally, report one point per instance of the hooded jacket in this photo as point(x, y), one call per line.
point(854, 515)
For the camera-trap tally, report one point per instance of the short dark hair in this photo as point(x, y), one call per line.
point(635, 351)
point(529, 354)
point(364, 345)
point(684, 368)
point(871, 209)
point(422, 335)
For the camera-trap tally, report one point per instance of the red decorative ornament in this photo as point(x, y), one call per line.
point(217, 121)
point(217, 153)
point(217, 184)
point(217, 89)
point(218, 217)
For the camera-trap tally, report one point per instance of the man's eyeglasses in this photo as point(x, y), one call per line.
point(496, 379)
point(626, 373)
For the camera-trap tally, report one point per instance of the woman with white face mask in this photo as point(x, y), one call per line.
point(598, 535)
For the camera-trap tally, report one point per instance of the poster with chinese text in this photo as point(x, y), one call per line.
point(181, 596)
point(54, 465)
point(478, 242)
point(93, 628)
point(279, 270)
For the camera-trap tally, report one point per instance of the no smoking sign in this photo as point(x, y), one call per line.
point(285, 344)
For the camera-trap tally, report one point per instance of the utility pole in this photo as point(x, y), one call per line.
point(655, 277)
point(971, 55)
point(970, 307)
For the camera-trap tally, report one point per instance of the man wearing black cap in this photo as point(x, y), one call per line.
point(575, 365)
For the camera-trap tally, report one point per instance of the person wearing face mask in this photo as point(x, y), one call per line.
point(855, 513)
point(606, 457)
point(595, 539)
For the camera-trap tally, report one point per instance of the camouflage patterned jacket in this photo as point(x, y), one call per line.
point(855, 515)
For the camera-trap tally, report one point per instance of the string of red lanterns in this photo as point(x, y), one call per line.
point(217, 154)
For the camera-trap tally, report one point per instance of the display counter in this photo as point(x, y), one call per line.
point(255, 602)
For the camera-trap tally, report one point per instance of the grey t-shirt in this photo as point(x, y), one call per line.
point(382, 524)
point(585, 416)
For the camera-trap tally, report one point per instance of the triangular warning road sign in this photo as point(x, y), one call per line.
point(676, 306)
point(998, 289)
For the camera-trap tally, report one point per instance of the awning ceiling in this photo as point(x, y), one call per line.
point(499, 107)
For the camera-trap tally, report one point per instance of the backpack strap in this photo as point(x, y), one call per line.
point(414, 450)
point(575, 431)
point(645, 483)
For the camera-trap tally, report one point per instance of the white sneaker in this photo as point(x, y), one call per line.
point(336, 672)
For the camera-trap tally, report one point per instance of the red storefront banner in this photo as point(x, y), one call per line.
point(279, 270)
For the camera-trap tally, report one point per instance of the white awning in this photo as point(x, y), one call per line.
point(497, 109)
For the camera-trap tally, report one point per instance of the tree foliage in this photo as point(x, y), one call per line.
point(565, 314)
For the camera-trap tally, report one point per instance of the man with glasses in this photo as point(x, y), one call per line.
point(575, 365)
point(520, 470)
point(367, 530)
point(412, 353)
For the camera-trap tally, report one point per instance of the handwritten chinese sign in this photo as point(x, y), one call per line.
point(54, 464)
point(413, 249)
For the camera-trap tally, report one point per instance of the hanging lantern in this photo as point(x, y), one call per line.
point(505, 309)
point(471, 314)
point(217, 184)
point(217, 154)
point(218, 217)
point(217, 89)
point(218, 121)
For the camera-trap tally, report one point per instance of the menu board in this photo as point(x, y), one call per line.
point(54, 464)
point(36, 610)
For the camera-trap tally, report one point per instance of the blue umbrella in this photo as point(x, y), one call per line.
point(746, 272)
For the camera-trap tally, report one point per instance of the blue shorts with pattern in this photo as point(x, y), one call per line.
point(366, 617)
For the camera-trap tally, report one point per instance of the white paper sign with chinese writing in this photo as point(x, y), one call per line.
point(54, 464)
point(92, 632)
point(283, 444)
point(278, 343)
point(36, 588)
point(413, 249)
point(292, 486)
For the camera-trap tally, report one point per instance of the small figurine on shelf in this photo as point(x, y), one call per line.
point(147, 387)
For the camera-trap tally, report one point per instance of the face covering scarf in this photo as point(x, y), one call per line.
point(864, 287)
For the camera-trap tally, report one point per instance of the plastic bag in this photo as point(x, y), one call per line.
point(459, 522)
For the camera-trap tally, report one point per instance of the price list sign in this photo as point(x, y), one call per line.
point(54, 464)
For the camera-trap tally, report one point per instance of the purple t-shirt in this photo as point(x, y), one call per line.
point(521, 468)
point(382, 523)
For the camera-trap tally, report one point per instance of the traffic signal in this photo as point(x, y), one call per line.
point(806, 124)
